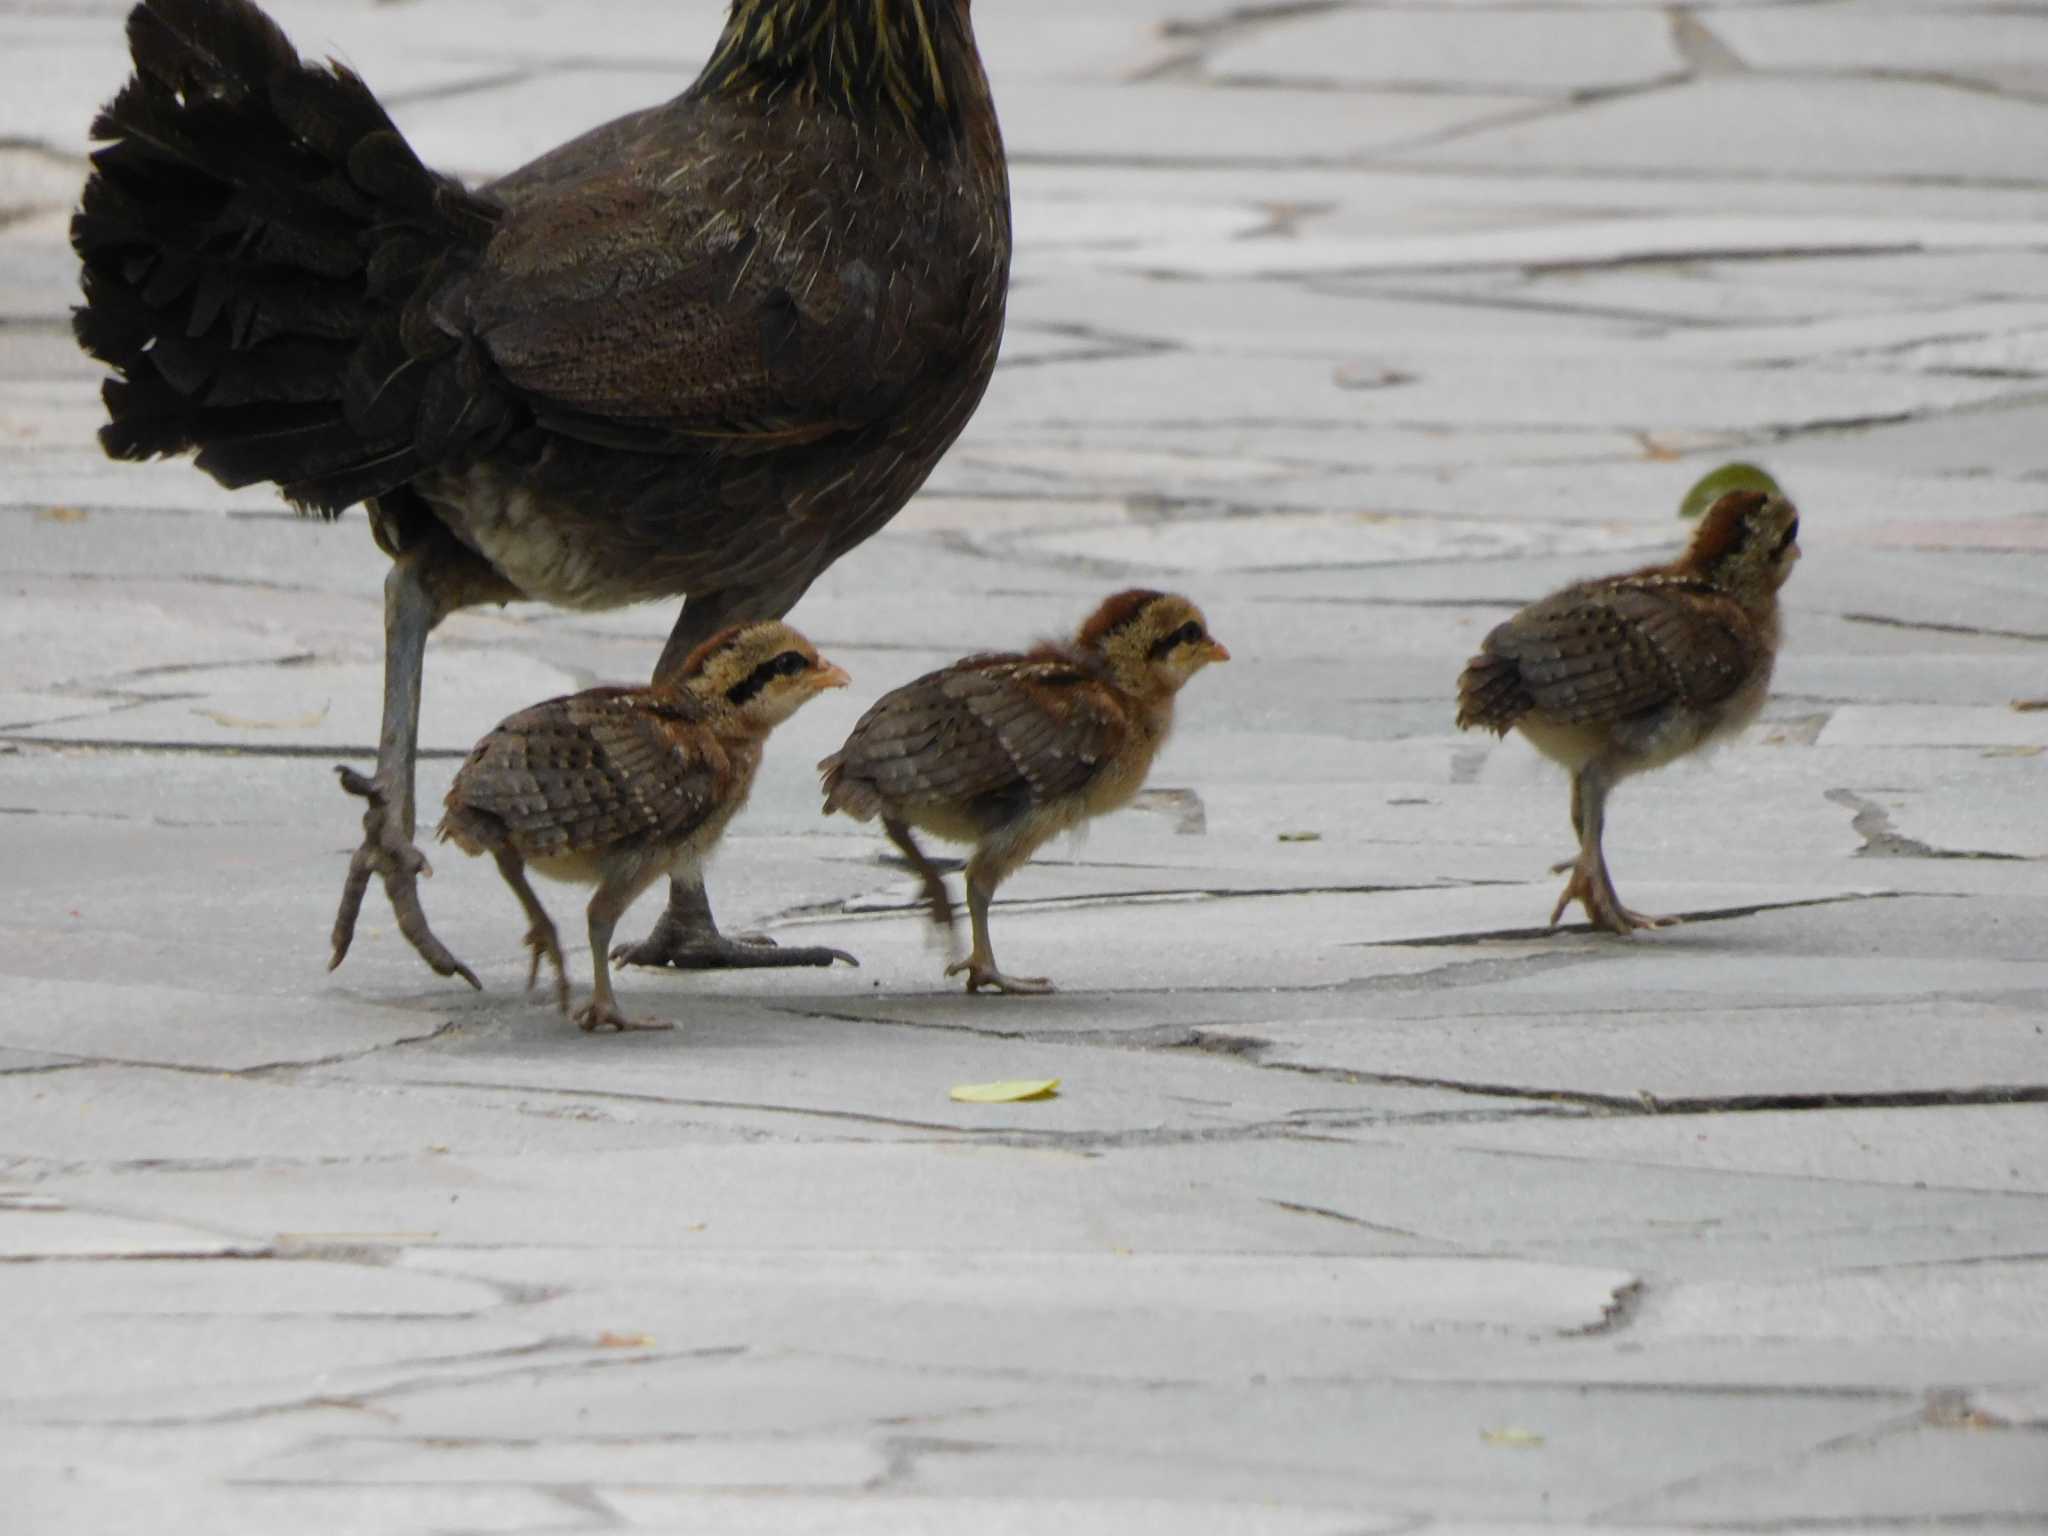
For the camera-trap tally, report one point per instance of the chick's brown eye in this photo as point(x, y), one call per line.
point(1190, 632)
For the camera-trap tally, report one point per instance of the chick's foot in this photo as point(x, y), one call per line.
point(595, 1016)
point(1595, 891)
point(541, 941)
point(983, 973)
point(387, 851)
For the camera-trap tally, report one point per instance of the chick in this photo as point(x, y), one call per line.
point(618, 787)
point(1617, 676)
point(1005, 751)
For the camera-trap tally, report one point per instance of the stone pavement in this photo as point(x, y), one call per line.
point(1366, 1204)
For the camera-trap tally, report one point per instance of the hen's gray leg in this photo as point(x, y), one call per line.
point(410, 614)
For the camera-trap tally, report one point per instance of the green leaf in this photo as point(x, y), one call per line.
point(1716, 483)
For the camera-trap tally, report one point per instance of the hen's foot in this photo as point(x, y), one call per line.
point(984, 974)
point(701, 947)
point(389, 853)
point(541, 940)
point(594, 1016)
point(1595, 892)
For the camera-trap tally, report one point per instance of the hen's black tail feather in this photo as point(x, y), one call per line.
point(262, 255)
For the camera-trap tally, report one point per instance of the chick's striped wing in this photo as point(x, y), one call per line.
point(989, 737)
point(1605, 653)
point(590, 772)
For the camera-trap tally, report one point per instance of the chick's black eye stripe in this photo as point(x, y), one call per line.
point(1187, 634)
point(788, 664)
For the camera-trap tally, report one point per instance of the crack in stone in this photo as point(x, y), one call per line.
point(1326, 1214)
point(216, 749)
point(1618, 1315)
point(368, 1400)
point(1642, 1506)
point(839, 911)
point(217, 1255)
point(1928, 626)
point(1646, 1103)
point(1873, 823)
point(1702, 915)
point(269, 1068)
point(615, 1095)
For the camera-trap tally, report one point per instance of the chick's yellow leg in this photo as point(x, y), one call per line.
point(936, 899)
point(614, 894)
point(540, 930)
point(1590, 884)
point(983, 876)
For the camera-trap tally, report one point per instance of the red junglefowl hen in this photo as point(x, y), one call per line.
point(617, 787)
point(1007, 751)
point(700, 351)
point(1622, 675)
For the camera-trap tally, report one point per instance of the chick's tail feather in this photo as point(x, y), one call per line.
point(1491, 694)
point(263, 253)
point(854, 797)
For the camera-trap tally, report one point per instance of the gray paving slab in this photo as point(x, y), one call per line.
point(1367, 1204)
point(1514, 53)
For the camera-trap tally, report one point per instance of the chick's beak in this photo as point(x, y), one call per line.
point(829, 676)
point(1216, 650)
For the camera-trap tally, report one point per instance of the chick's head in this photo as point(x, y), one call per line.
point(758, 674)
point(1746, 545)
point(1152, 641)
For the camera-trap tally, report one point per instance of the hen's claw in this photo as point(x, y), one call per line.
point(389, 854)
point(693, 947)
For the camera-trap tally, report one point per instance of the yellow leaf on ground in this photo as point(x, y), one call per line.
point(1518, 1439)
point(1006, 1093)
point(241, 723)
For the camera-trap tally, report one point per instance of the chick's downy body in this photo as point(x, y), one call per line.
point(1005, 751)
point(1625, 674)
point(618, 787)
point(702, 350)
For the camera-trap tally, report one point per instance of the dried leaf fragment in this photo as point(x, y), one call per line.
point(1513, 1438)
point(1014, 1092)
point(242, 723)
point(625, 1341)
point(2030, 706)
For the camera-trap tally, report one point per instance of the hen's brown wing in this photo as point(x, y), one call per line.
point(1606, 652)
point(688, 291)
point(987, 738)
point(597, 770)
